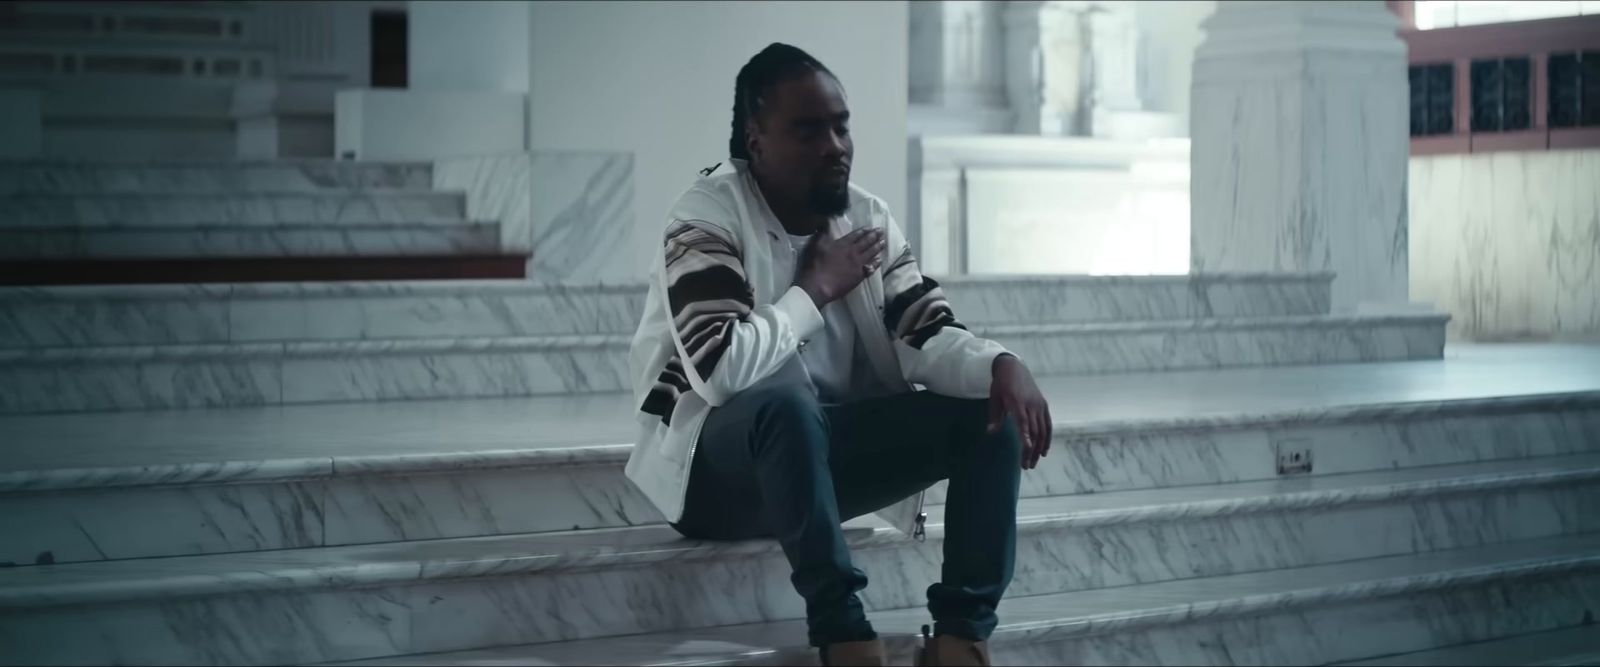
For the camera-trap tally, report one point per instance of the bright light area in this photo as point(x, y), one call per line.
point(1451, 13)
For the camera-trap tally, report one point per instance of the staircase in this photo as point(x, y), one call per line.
point(429, 472)
point(74, 222)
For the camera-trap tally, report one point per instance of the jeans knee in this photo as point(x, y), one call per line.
point(781, 413)
point(975, 418)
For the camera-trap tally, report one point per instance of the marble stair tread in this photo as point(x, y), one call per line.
point(162, 314)
point(67, 176)
point(71, 450)
point(401, 562)
point(181, 209)
point(284, 239)
point(1557, 648)
point(619, 342)
point(132, 178)
point(1077, 613)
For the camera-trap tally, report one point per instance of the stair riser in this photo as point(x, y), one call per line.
point(351, 208)
point(269, 380)
point(217, 242)
point(221, 178)
point(1309, 635)
point(396, 619)
point(94, 524)
point(177, 382)
point(1120, 352)
point(533, 311)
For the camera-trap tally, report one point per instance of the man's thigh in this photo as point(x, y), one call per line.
point(883, 450)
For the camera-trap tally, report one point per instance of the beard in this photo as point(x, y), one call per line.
point(827, 201)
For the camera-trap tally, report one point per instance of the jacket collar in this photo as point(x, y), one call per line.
point(769, 220)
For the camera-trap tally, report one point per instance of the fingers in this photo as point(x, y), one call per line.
point(1049, 428)
point(997, 413)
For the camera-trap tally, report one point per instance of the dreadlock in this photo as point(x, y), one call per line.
point(776, 63)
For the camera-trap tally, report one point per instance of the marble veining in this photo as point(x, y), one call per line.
point(1184, 345)
point(1066, 543)
point(149, 209)
point(136, 377)
point(582, 226)
point(1487, 401)
point(498, 188)
point(1410, 609)
point(572, 210)
point(252, 241)
point(1299, 161)
point(152, 314)
point(67, 177)
point(1509, 242)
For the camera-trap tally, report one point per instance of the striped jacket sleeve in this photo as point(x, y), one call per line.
point(934, 348)
point(723, 341)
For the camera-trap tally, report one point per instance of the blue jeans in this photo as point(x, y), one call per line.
point(773, 462)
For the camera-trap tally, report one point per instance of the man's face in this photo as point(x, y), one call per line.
point(800, 142)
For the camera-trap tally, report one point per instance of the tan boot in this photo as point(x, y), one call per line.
point(947, 651)
point(868, 653)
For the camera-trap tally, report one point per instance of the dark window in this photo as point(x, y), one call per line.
point(1575, 89)
point(389, 68)
point(1432, 99)
point(1501, 95)
point(1566, 89)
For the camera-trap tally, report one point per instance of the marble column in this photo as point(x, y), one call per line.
point(1113, 41)
point(1299, 146)
point(1044, 65)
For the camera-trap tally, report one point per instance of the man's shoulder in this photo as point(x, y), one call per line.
point(710, 199)
point(862, 201)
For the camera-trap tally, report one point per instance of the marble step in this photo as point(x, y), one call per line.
point(1299, 616)
point(1556, 648)
point(454, 265)
point(160, 315)
point(229, 240)
point(314, 476)
point(144, 377)
point(457, 595)
point(187, 209)
point(241, 479)
point(68, 177)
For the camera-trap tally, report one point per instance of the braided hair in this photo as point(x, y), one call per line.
point(776, 63)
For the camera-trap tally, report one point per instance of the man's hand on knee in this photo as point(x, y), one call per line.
point(1013, 393)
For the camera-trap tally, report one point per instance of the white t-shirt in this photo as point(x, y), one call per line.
point(829, 355)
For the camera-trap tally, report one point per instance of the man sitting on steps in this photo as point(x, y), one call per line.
point(774, 365)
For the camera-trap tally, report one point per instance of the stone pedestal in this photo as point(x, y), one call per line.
point(1299, 131)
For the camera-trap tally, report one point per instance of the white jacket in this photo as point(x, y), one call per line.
point(721, 232)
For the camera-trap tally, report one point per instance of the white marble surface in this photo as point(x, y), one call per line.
point(487, 591)
point(1061, 299)
point(1083, 407)
point(68, 176)
point(1303, 616)
point(1299, 146)
point(498, 188)
point(1509, 242)
point(1220, 343)
point(1572, 646)
point(223, 240)
point(1095, 220)
point(269, 373)
point(583, 223)
point(264, 373)
point(573, 210)
point(188, 209)
point(215, 313)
